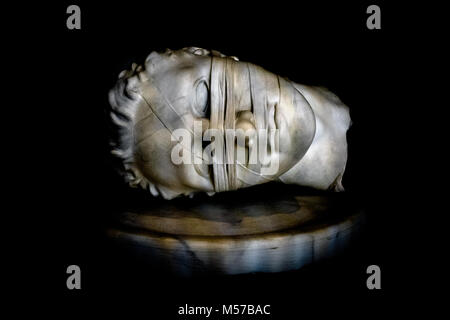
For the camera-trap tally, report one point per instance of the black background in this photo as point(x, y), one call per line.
point(319, 44)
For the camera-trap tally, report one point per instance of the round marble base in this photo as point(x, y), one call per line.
point(239, 232)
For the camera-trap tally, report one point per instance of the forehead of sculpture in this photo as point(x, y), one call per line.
point(175, 61)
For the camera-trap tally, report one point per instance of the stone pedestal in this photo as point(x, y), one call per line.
point(255, 230)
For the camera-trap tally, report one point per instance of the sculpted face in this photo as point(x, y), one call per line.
point(205, 108)
point(182, 79)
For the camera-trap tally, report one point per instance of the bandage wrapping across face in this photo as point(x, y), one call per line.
point(237, 87)
point(231, 83)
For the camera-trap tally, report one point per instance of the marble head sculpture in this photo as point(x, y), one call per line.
point(287, 132)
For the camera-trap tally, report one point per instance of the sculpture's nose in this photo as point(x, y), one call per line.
point(245, 121)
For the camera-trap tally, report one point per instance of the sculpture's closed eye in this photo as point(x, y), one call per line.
point(201, 99)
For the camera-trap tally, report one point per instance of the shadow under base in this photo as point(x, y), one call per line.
point(245, 231)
